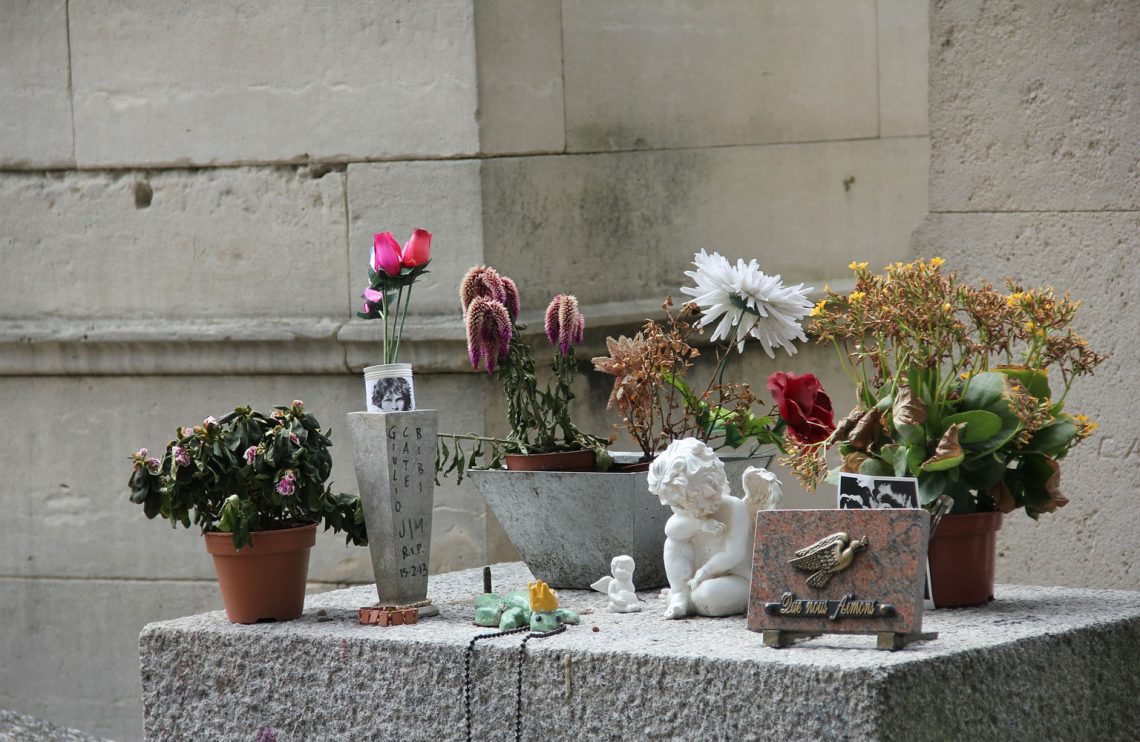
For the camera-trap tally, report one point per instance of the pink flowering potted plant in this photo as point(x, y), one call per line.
point(392, 270)
point(257, 486)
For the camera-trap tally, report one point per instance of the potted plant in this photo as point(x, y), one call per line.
point(542, 436)
point(569, 526)
point(392, 270)
point(256, 485)
point(659, 404)
point(954, 388)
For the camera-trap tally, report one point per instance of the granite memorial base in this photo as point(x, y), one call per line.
point(1037, 663)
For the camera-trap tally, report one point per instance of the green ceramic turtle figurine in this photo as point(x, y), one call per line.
point(537, 606)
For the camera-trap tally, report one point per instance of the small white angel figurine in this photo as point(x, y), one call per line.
point(709, 537)
point(619, 588)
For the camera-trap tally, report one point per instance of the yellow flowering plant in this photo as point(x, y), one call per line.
point(953, 386)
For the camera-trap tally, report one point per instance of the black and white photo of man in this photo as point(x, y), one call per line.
point(863, 492)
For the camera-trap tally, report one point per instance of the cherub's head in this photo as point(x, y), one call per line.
point(688, 476)
point(621, 567)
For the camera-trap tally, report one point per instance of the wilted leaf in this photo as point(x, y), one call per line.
point(867, 430)
point(948, 453)
point(847, 424)
point(852, 462)
point(908, 409)
point(1002, 497)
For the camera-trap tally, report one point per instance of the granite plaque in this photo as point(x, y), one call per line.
point(839, 571)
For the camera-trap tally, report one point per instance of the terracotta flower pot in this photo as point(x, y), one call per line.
point(962, 555)
point(266, 580)
point(560, 461)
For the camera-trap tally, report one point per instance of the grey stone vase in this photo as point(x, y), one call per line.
point(569, 525)
point(395, 470)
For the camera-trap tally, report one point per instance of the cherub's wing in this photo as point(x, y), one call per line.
point(761, 489)
point(821, 557)
point(823, 542)
point(602, 585)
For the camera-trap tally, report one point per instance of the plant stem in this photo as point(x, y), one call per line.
point(384, 317)
point(403, 318)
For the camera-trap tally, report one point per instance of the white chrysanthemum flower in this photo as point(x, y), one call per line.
point(749, 303)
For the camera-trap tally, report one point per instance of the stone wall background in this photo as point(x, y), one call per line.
point(188, 191)
point(1035, 173)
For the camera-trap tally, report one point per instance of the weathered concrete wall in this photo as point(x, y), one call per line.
point(1035, 174)
point(187, 195)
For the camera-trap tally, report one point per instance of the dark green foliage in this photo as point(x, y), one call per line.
point(205, 477)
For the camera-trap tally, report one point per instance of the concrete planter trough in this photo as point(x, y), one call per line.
point(569, 525)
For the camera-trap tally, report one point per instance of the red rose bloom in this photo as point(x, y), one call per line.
point(804, 405)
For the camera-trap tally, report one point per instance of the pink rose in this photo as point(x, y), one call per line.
point(386, 254)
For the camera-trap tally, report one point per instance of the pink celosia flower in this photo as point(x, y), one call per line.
point(181, 457)
point(417, 250)
point(511, 300)
point(482, 281)
point(488, 331)
point(250, 454)
point(286, 485)
point(386, 254)
point(564, 323)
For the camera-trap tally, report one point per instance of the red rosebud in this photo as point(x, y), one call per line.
point(417, 250)
point(804, 405)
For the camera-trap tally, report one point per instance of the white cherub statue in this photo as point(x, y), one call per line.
point(709, 537)
point(619, 588)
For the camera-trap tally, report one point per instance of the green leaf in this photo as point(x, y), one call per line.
point(915, 455)
point(985, 390)
point(876, 468)
point(984, 471)
point(941, 464)
point(1054, 439)
point(1035, 380)
point(931, 485)
point(911, 434)
point(990, 392)
point(896, 458)
point(981, 425)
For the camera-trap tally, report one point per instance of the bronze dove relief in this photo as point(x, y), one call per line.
point(829, 555)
